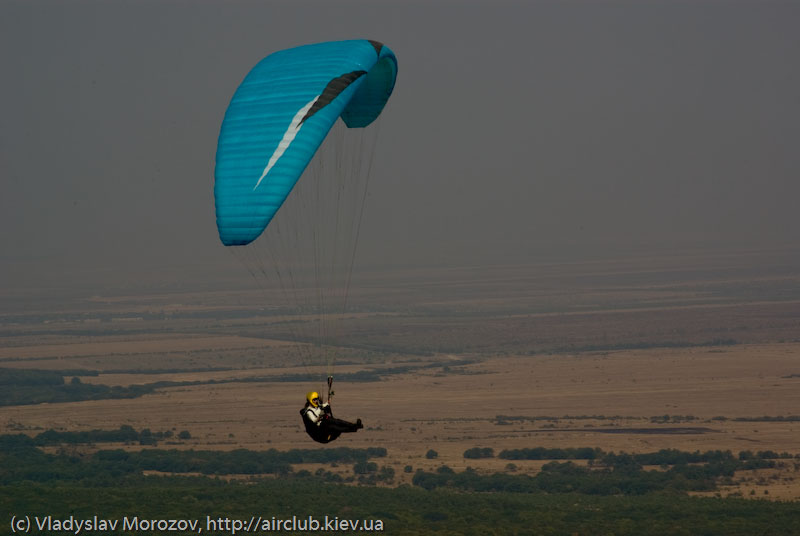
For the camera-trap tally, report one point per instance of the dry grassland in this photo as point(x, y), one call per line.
point(601, 400)
point(591, 356)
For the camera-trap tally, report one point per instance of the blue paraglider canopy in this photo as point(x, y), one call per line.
point(279, 116)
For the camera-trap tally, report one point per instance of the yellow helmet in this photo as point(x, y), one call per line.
point(313, 398)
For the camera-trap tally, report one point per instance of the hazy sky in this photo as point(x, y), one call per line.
point(517, 131)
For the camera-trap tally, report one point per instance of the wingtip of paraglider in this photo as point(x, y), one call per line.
point(235, 242)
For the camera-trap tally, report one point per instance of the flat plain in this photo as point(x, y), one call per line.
point(689, 352)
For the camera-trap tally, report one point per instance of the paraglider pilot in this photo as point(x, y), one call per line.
point(320, 423)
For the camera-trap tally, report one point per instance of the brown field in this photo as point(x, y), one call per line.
point(583, 355)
